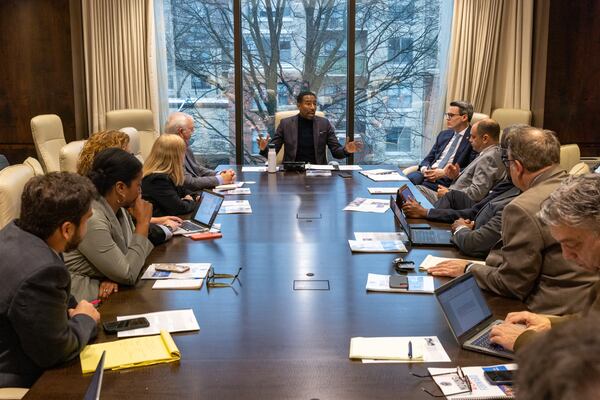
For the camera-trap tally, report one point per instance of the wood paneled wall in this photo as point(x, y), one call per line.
point(36, 71)
point(572, 100)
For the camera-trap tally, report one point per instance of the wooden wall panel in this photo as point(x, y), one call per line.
point(36, 73)
point(572, 99)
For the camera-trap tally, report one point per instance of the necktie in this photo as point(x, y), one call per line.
point(455, 139)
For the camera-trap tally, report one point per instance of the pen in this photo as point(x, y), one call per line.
point(410, 349)
point(96, 302)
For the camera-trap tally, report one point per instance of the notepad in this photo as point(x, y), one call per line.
point(386, 348)
point(431, 261)
point(130, 353)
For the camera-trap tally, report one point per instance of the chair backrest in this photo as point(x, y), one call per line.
point(48, 138)
point(35, 166)
point(510, 116)
point(12, 181)
point(69, 155)
point(569, 156)
point(134, 142)
point(286, 114)
point(580, 169)
point(478, 117)
point(142, 120)
point(3, 162)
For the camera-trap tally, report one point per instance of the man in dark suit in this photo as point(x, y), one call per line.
point(41, 324)
point(305, 135)
point(451, 147)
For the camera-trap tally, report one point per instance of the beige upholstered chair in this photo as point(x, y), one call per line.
point(69, 155)
point(142, 120)
point(286, 114)
point(510, 116)
point(48, 138)
point(35, 166)
point(134, 142)
point(569, 156)
point(580, 169)
point(478, 117)
point(12, 393)
point(12, 181)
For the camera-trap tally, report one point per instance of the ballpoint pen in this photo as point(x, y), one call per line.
point(410, 350)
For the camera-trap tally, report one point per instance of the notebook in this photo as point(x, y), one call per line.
point(468, 315)
point(421, 237)
point(205, 214)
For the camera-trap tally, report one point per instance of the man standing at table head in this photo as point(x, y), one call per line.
point(41, 323)
point(305, 135)
point(196, 177)
point(573, 215)
point(451, 147)
point(527, 263)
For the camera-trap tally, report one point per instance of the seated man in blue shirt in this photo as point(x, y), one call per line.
point(305, 135)
point(451, 147)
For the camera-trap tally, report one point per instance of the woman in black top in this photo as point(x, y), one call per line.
point(163, 178)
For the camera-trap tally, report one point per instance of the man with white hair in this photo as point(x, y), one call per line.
point(573, 215)
point(197, 177)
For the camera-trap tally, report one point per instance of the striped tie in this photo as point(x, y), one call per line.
point(455, 139)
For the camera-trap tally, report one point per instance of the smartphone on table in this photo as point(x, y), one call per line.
point(172, 268)
point(504, 377)
point(399, 282)
point(125, 325)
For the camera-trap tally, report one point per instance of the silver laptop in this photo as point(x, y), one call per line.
point(468, 315)
point(204, 214)
point(421, 237)
point(93, 390)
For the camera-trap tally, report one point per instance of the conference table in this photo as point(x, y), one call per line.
point(261, 339)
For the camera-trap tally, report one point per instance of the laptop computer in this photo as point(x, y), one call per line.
point(468, 315)
point(204, 214)
point(93, 390)
point(421, 237)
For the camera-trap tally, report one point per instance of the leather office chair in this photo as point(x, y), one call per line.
point(48, 138)
point(69, 155)
point(286, 114)
point(12, 181)
point(134, 142)
point(509, 116)
point(569, 156)
point(12, 393)
point(142, 120)
point(35, 166)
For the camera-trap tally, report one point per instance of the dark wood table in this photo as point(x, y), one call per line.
point(263, 340)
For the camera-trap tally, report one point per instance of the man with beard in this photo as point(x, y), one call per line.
point(41, 324)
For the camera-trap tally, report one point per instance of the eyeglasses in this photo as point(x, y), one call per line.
point(506, 161)
point(211, 276)
point(463, 379)
point(450, 115)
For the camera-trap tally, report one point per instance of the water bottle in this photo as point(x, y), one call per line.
point(272, 159)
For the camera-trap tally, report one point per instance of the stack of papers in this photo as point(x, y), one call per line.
point(170, 321)
point(229, 186)
point(448, 383)
point(196, 271)
point(235, 191)
point(131, 353)
point(395, 349)
point(384, 175)
point(368, 205)
point(431, 261)
point(378, 236)
point(254, 168)
point(318, 172)
point(331, 167)
point(235, 207)
point(416, 284)
point(377, 246)
point(383, 190)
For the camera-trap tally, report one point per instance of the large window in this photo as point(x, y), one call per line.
point(293, 45)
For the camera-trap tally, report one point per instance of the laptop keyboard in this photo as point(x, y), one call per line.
point(190, 226)
point(484, 341)
point(424, 236)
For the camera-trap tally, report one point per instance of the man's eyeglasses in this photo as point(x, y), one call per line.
point(450, 115)
point(211, 276)
point(506, 161)
point(464, 382)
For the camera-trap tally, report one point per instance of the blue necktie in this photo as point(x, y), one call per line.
point(455, 140)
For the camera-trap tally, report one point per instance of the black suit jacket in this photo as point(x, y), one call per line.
point(35, 294)
point(464, 154)
point(324, 135)
point(165, 197)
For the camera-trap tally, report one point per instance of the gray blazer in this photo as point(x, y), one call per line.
point(324, 135)
point(487, 230)
point(197, 177)
point(110, 250)
point(527, 263)
point(35, 294)
point(481, 174)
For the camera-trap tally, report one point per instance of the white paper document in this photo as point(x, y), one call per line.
point(350, 168)
point(317, 172)
point(392, 177)
point(235, 207)
point(171, 321)
point(383, 190)
point(377, 236)
point(229, 186)
point(319, 167)
point(432, 350)
point(237, 191)
point(377, 246)
point(254, 168)
point(196, 271)
point(386, 348)
point(416, 284)
point(431, 261)
point(377, 171)
point(447, 381)
point(178, 284)
point(368, 205)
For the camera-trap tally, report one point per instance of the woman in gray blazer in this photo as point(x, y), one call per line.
point(114, 250)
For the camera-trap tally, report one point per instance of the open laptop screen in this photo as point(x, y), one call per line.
point(208, 208)
point(463, 304)
point(400, 216)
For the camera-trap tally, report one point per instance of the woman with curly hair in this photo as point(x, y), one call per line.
point(95, 144)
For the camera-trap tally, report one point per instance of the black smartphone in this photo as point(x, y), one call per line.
point(398, 282)
point(403, 194)
point(125, 325)
point(504, 377)
point(404, 266)
point(345, 175)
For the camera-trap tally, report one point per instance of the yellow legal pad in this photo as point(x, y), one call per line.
point(129, 353)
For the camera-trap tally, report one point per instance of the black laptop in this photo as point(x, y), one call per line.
point(421, 237)
point(468, 315)
point(204, 214)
